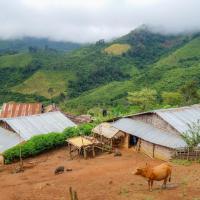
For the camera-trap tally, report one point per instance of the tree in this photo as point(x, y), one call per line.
point(172, 98)
point(145, 98)
point(190, 92)
point(100, 42)
point(192, 135)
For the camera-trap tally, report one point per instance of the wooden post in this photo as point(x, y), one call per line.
point(188, 153)
point(79, 152)
point(111, 143)
point(138, 145)
point(20, 156)
point(93, 151)
point(71, 193)
point(196, 155)
point(21, 165)
point(102, 141)
point(70, 153)
point(75, 195)
point(84, 153)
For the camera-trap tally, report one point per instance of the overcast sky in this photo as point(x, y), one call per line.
point(91, 20)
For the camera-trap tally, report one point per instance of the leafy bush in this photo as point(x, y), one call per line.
point(144, 98)
point(41, 143)
point(172, 98)
point(192, 136)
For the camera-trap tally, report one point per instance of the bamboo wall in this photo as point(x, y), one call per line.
point(156, 151)
point(146, 148)
point(156, 121)
point(163, 153)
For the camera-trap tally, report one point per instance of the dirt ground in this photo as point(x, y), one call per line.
point(103, 178)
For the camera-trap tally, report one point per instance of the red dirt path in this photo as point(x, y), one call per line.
point(103, 178)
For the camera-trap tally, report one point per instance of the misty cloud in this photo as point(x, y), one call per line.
point(91, 20)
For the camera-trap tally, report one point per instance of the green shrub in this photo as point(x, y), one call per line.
point(172, 98)
point(41, 143)
point(192, 135)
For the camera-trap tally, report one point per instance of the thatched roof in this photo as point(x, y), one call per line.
point(106, 130)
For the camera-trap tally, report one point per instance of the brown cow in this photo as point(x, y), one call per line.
point(158, 173)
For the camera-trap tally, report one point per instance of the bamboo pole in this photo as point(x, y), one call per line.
point(75, 195)
point(20, 157)
point(93, 151)
point(84, 153)
point(71, 193)
point(70, 153)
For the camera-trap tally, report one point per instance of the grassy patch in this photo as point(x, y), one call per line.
point(117, 49)
point(182, 162)
point(17, 60)
point(148, 198)
point(114, 92)
point(124, 191)
point(42, 80)
point(173, 71)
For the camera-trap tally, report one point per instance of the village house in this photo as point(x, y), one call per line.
point(18, 129)
point(157, 133)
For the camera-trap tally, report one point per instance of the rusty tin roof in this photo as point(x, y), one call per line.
point(20, 109)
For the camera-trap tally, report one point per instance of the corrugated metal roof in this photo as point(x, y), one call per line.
point(149, 133)
point(8, 139)
point(29, 126)
point(106, 130)
point(20, 109)
point(179, 118)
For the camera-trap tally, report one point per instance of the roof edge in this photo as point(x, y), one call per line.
point(153, 112)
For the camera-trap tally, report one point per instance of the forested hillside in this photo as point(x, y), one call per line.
point(11, 46)
point(120, 75)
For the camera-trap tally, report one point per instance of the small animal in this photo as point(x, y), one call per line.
point(59, 170)
point(158, 173)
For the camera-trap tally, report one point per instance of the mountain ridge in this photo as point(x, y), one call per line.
point(74, 78)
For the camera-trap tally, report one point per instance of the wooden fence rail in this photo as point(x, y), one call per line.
point(187, 153)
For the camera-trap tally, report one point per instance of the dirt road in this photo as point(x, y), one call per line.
point(103, 178)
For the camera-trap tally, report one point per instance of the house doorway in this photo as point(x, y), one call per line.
point(132, 141)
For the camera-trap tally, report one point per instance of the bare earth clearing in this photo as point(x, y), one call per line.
point(103, 178)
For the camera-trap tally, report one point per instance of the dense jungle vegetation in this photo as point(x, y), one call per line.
point(139, 71)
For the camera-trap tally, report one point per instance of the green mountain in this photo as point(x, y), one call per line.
point(101, 74)
point(38, 43)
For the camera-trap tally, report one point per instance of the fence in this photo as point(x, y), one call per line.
point(187, 153)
